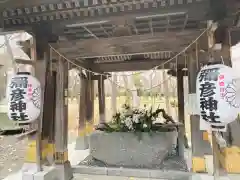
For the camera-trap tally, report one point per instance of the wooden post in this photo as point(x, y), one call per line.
point(61, 123)
point(51, 83)
point(101, 99)
point(125, 80)
point(166, 89)
point(114, 94)
point(38, 144)
point(90, 102)
point(181, 116)
point(82, 140)
point(200, 142)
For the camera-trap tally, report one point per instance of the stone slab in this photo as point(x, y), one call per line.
point(193, 177)
point(125, 149)
point(28, 176)
point(29, 172)
point(64, 171)
point(129, 172)
point(101, 177)
point(49, 174)
point(89, 170)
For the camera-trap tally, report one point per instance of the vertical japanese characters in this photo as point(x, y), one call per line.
point(217, 97)
point(18, 86)
point(24, 98)
point(208, 82)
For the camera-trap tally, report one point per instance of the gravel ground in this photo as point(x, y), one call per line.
point(12, 154)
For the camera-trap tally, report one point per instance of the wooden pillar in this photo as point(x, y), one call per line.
point(199, 139)
point(166, 91)
point(181, 116)
point(82, 140)
point(42, 69)
point(128, 93)
point(101, 99)
point(52, 96)
point(114, 94)
point(90, 102)
point(82, 105)
point(61, 123)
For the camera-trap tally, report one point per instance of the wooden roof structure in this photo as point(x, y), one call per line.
point(102, 33)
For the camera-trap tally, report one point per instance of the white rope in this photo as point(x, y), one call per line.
point(127, 89)
point(154, 68)
point(108, 78)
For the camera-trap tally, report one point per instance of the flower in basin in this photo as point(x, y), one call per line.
point(128, 122)
point(136, 118)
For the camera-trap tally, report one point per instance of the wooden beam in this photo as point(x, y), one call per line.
point(128, 39)
point(166, 41)
point(195, 10)
point(66, 15)
point(131, 51)
point(128, 66)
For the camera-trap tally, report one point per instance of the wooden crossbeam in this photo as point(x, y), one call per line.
point(127, 39)
point(128, 66)
point(165, 41)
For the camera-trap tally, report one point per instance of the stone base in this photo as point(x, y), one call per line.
point(125, 149)
point(64, 172)
point(29, 172)
point(82, 143)
point(131, 172)
point(49, 174)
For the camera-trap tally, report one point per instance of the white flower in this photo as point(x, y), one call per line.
point(136, 118)
point(128, 122)
point(144, 126)
point(130, 127)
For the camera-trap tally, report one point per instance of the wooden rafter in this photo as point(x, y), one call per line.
point(20, 14)
point(166, 41)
